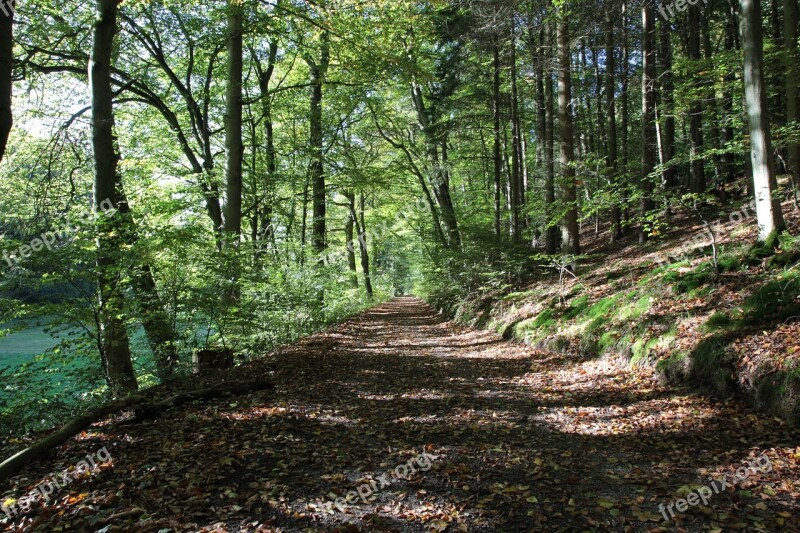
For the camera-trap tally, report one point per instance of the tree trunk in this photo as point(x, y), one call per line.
point(611, 124)
point(150, 307)
point(570, 229)
point(318, 70)
point(264, 77)
point(497, 155)
point(113, 337)
point(362, 245)
point(768, 210)
point(731, 43)
point(713, 111)
point(349, 235)
point(516, 148)
point(624, 115)
point(667, 106)
point(649, 147)
point(698, 175)
point(790, 21)
point(6, 68)
point(233, 125)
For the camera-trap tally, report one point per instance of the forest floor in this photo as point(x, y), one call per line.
point(440, 428)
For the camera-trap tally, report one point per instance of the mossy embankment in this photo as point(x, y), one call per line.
point(730, 330)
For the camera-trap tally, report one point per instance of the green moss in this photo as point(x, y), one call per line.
point(608, 340)
point(578, 306)
point(718, 321)
point(710, 364)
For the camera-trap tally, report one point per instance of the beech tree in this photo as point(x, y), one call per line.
point(768, 207)
point(114, 347)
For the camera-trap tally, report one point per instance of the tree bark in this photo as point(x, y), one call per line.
point(233, 125)
point(790, 21)
point(667, 106)
point(612, 153)
point(497, 153)
point(649, 148)
point(114, 346)
point(570, 229)
point(698, 175)
point(349, 235)
point(6, 68)
point(768, 210)
point(516, 147)
point(318, 71)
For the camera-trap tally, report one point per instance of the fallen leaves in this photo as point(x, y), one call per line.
point(524, 440)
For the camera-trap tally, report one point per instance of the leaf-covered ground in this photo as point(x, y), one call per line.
point(515, 440)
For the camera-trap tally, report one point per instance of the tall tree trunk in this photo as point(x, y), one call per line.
point(624, 97)
point(267, 232)
point(439, 175)
point(698, 175)
point(731, 43)
point(516, 147)
point(649, 146)
point(233, 125)
point(790, 22)
point(150, 308)
point(768, 209)
point(349, 235)
point(611, 123)
point(667, 106)
point(552, 232)
point(713, 110)
point(319, 70)
point(114, 346)
point(6, 67)
point(362, 244)
point(497, 155)
point(570, 230)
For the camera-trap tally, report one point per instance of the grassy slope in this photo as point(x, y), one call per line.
point(738, 334)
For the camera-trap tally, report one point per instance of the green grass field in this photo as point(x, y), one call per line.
point(22, 346)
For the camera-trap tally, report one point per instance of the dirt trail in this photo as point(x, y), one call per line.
point(514, 440)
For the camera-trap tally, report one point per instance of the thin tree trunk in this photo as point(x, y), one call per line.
point(768, 209)
point(516, 152)
point(611, 125)
point(115, 349)
point(649, 148)
point(667, 106)
point(790, 21)
point(624, 115)
point(349, 235)
point(318, 72)
point(713, 111)
point(362, 246)
point(698, 175)
point(552, 232)
point(570, 229)
point(6, 67)
point(497, 155)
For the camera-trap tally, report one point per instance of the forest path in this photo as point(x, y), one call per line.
point(515, 440)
